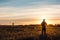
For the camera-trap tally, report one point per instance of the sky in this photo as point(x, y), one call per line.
point(29, 11)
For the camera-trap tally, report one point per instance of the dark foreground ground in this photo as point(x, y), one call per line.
point(28, 32)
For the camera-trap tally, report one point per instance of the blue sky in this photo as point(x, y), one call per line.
point(21, 3)
point(29, 10)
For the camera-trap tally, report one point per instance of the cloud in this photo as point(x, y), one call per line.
point(29, 12)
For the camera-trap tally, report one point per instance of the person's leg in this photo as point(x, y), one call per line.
point(45, 32)
point(42, 32)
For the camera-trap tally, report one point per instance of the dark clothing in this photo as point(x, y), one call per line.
point(44, 28)
point(43, 24)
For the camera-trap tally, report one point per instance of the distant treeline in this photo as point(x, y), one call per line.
point(32, 25)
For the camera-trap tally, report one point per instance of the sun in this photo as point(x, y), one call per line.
point(46, 19)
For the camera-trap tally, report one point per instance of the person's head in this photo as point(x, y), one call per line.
point(43, 20)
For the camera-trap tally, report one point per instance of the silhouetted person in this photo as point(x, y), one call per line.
point(13, 24)
point(43, 24)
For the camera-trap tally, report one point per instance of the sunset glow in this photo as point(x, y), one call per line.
point(29, 11)
point(46, 19)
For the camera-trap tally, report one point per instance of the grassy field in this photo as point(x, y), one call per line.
point(28, 32)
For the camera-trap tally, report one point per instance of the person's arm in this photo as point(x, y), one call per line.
point(45, 23)
point(41, 23)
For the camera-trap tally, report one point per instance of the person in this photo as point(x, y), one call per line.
point(43, 24)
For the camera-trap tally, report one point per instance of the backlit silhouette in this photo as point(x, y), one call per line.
point(43, 24)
